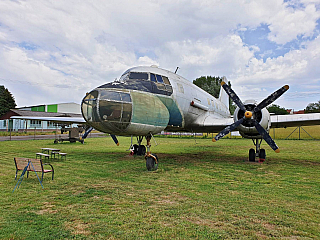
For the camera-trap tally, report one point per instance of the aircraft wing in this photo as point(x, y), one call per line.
point(211, 123)
point(295, 120)
point(53, 119)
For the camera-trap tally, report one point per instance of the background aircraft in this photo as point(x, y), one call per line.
point(148, 100)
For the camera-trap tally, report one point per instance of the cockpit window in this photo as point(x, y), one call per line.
point(159, 79)
point(166, 80)
point(141, 76)
point(153, 77)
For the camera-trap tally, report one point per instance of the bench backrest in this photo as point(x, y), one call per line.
point(21, 163)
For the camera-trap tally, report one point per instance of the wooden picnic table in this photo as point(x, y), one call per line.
point(50, 149)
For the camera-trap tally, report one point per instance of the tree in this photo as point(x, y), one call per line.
point(313, 107)
point(276, 109)
point(6, 100)
point(212, 85)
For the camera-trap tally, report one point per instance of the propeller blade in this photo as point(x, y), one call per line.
point(85, 135)
point(265, 135)
point(274, 96)
point(227, 130)
point(233, 96)
point(115, 139)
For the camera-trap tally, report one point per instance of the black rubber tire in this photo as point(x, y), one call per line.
point(141, 150)
point(135, 149)
point(151, 163)
point(262, 154)
point(252, 155)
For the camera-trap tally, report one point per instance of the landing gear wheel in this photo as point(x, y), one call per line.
point(151, 164)
point(135, 149)
point(262, 155)
point(252, 155)
point(141, 150)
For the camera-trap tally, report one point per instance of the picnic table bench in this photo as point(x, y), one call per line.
point(50, 149)
point(59, 154)
point(42, 155)
point(35, 165)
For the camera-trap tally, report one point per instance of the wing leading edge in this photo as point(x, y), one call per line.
point(52, 119)
point(295, 120)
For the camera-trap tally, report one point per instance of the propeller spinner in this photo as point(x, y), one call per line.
point(249, 115)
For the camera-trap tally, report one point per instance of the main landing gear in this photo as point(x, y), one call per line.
point(259, 153)
point(140, 150)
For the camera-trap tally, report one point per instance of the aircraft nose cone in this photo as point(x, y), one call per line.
point(248, 114)
point(107, 110)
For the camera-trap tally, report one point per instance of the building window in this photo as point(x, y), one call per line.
point(35, 123)
point(51, 124)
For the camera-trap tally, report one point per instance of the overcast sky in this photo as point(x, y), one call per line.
point(56, 51)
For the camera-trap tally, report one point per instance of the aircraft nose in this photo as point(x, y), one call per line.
point(107, 110)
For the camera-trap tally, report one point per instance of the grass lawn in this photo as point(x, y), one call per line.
point(200, 191)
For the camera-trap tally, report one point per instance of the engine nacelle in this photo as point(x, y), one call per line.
point(247, 128)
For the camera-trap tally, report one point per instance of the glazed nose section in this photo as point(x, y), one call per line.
point(107, 110)
point(89, 107)
point(115, 109)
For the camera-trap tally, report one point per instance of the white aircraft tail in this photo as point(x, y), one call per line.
point(223, 96)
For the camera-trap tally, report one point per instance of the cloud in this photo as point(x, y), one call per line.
point(85, 44)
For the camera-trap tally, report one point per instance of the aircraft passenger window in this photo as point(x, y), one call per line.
point(166, 80)
point(125, 97)
point(135, 75)
point(159, 79)
point(110, 95)
point(153, 77)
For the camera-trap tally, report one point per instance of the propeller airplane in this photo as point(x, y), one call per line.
point(148, 100)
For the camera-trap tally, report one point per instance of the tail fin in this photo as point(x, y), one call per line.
point(223, 96)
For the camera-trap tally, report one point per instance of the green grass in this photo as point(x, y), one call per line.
point(200, 191)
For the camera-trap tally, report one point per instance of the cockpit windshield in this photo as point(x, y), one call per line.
point(142, 81)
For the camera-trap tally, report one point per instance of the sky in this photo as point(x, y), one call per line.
point(54, 51)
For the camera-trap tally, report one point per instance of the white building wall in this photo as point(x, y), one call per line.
point(69, 108)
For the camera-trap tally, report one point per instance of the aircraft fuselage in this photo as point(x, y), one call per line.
point(149, 100)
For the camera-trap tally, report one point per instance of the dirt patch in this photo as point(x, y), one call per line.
point(78, 227)
point(46, 208)
point(205, 222)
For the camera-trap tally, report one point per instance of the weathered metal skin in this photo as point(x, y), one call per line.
point(149, 114)
point(155, 106)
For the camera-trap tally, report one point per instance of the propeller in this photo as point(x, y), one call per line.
point(249, 114)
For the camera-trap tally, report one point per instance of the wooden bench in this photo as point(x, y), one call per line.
point(42, 155)
point(35, 165)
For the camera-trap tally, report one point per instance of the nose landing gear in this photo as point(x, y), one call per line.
point(140, 150)
point(151, 159)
